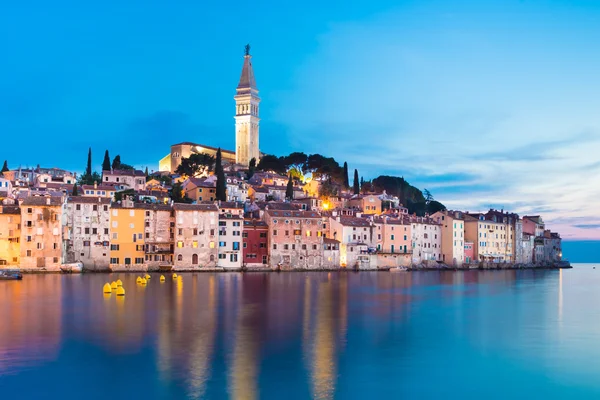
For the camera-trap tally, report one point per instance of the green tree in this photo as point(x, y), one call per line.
point(427, 195)
point(88, 170)
point(106, 162)
point(221, 190)
point(356, 187)
point(346, 178)
point(296, 160)
point(327, 189)
point(146, 172)
point(116, 164)
point(177, 194)
point(272, 163)
point(196, 164)
point(289, 190)
point(4, 167)
point(75, 193)
point(251, 168)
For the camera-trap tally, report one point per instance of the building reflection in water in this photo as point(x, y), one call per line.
point(31, 326)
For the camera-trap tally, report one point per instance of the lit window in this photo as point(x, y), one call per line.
point(211, 245)
point(195, 244)
point(180, 244)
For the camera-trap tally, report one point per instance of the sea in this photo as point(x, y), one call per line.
point(502, 334)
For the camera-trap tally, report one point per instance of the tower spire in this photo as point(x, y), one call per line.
point(247, 81)
point(246, 114)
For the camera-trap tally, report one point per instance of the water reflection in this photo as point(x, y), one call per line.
point(294, 335)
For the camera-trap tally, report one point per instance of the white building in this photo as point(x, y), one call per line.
point(230, 240)
point(87, 238)
point(356, 236)
point(427, 240)
point(237, 189)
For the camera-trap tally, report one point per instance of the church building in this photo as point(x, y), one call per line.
point(246, 127)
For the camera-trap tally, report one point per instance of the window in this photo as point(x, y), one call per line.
point(147, 235)
point(180, 244)
point(86, 243)
point(127, 261)
point(236, 245)
point(263, 246)
point(114, 247)
point(245, 245)
point(78, 207)
point(114, 235)
point(222, 223)
point(222, 244)
point(314, 246)
point(392, 237)
point(275, 232)
point(211, 245)
point(303, 247)
point(274, 246)
point(114, 260)
point(236, 223)
point(105, 207)
point(286, 247)
point(28, 253)
point(94, 208)
point(195, 244)
point(222, 256)
point(233, 257)
point(308, 233)
point(40, 246)
point(139, 260)
point(29, 211)
point(263, 235)
point(179, 257)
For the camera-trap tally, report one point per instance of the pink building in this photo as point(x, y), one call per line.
point(469, 252)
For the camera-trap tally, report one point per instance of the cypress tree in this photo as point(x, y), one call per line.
point(356, 187)
point(75, 192)
point(221, 185)
point(251, 168)
point(4, 167)
point(346, 178)
point(289, 190)
point(88, 170)
point(106, 162)
point(146, 172)
point(116, 164)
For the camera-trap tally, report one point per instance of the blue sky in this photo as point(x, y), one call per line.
point(485, 103)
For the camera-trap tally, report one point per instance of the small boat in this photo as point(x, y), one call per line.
point(10, 275)
point(73, 268)
point(398, 269)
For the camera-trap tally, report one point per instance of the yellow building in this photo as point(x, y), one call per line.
point(492, 239)
point(10, 232)
point(127, 222)
point(41, 233)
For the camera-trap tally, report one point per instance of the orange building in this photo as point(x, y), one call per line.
point(127, 221)
point(10, 232)
point(41, 233)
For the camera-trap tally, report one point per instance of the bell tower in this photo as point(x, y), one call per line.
point(246, 114)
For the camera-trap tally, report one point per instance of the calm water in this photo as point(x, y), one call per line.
point(500, 334)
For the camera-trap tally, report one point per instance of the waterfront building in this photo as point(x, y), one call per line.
point(87, 231)
point(159, 235)
point(528, 248)
point(509, 221)
point(133, 179)
point(533, 225)
point(469, 253)
point(41, 232)
point(10, 233)
point(491, 237)
point(452, 226)
point(394, 235)
point(356, 235)
point(230, 240)
point(426, 240)
point(196, 236)
point(331, 253)
point(295, 238)
point(127, 221)
point(255, 243)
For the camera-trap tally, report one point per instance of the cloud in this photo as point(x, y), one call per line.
point(588, 226)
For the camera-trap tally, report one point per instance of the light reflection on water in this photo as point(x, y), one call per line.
point(304, 335)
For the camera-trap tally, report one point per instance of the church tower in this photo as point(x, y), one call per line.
point(246, 114)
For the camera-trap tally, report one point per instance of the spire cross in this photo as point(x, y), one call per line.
point(247, 49)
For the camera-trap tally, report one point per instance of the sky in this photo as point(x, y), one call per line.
point(487, 104)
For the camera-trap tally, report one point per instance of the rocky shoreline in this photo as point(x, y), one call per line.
point(431, 266)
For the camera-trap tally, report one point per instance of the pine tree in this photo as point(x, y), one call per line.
point(346, 178)
point(289, 190)
point(106, 162)
point(4, 167)
point(356, 187)
point(116, 164)
point(221, 192)
point(75, 192)
point(88, 170)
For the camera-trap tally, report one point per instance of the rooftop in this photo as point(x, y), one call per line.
point(42, 201)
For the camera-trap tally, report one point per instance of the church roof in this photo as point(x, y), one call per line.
point(247, 79)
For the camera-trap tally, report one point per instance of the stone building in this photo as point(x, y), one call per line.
point(246, 115)
point(331, 253)
point(196, 236)
point(41, 233)
point(367, 203)
point(87, 231)
point(356, 236)
point(491, 237)
point(295, 238)
point(159, 235)
point(10, 233)
point(393, 235)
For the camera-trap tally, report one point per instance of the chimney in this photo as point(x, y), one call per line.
point(48, 201)
point(95, 184)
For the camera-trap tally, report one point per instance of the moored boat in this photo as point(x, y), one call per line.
point(9, 275)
